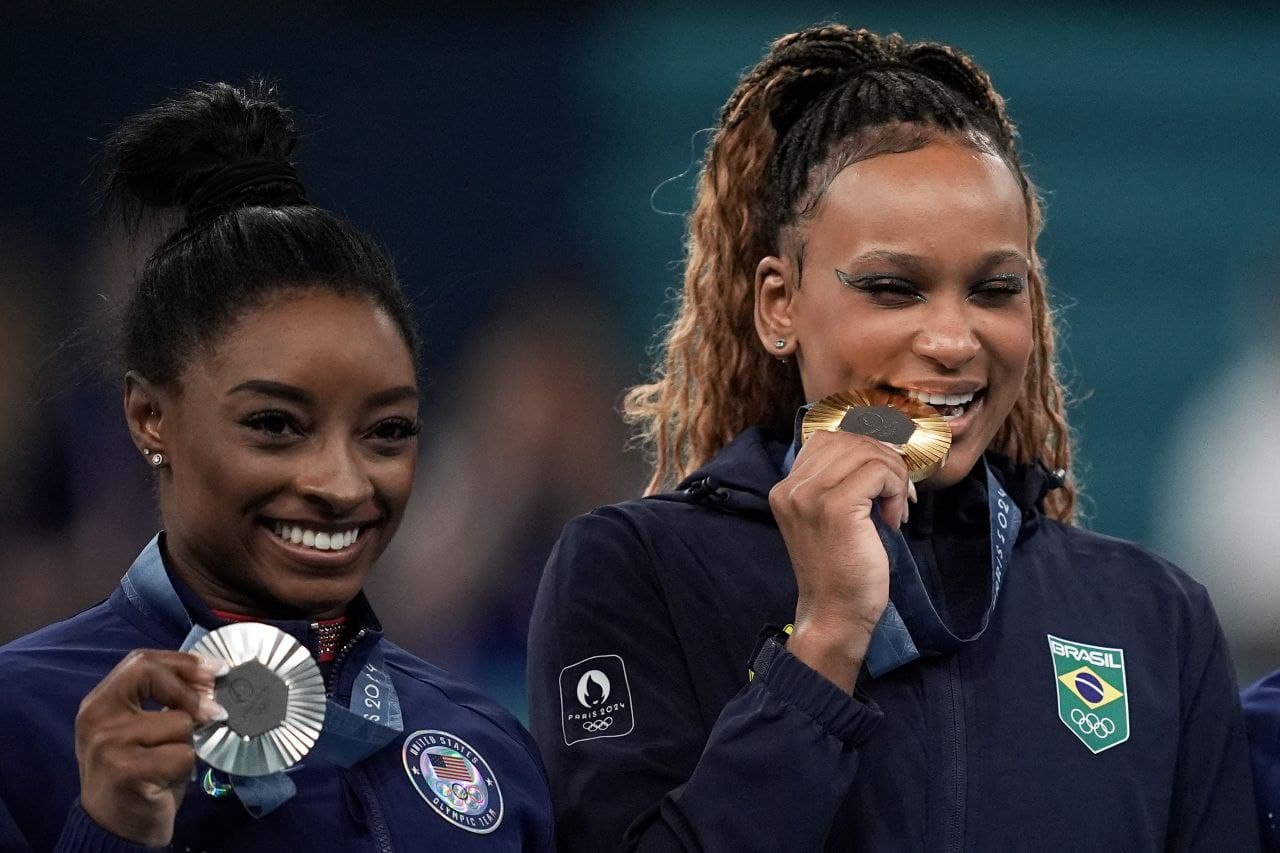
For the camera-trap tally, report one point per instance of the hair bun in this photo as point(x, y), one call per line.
point(211, 149)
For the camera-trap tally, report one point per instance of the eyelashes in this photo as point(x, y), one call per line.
point(891, 289)
point(279, 427)
point(396, 429)
point(273, 423)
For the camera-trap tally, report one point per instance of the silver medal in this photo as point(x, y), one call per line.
point(274, 696)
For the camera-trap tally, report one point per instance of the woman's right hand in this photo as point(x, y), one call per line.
point(824, 511)
point(135, 764)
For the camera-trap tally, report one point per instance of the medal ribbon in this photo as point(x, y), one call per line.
point(371, 720)
point(910, 626)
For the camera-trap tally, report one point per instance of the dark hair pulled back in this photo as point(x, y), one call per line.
point(222, 155)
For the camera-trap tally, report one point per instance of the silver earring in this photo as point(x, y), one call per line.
point(780, 343)
point(156, 459)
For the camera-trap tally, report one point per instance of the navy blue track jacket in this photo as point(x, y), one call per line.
point(654, 739)
point(375, 805)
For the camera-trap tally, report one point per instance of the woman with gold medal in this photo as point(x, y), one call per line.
point(790, 643)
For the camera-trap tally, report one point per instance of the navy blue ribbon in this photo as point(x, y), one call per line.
point(371, 720)
point(910, 626)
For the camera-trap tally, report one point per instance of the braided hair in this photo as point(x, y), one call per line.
point(821, 99)
point(222, 156)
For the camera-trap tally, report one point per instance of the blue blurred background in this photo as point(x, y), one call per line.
point(527, 170)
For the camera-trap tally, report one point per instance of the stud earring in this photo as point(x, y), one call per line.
point(156, 459)
point(780, 343)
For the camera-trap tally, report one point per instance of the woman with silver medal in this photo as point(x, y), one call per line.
point(236, 691)
point(854, 612)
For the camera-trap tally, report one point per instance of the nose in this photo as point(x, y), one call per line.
point(947, 337)
point(334, 478)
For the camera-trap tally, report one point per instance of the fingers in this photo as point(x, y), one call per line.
point(135, 763)
point(845, 470)
point(162, 727)
point(175, 680)
point(169, 765)
point(825, 446)
point(178, 680)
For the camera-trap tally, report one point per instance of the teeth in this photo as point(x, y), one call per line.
point(941, 399)
point(321, 540)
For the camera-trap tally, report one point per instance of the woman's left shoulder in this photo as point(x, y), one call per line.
point(1108, 560)
point(1114, 585)
point(433, 699)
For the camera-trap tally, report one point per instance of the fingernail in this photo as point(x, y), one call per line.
point(911, 492)
point(213, 666)
point(211, 710)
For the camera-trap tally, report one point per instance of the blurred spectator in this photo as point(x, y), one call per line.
point(525, 435)
point(1219, 517)
point(75, 502)
point(34, 507)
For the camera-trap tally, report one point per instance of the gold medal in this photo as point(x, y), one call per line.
point(917, 430)
point(274, 696)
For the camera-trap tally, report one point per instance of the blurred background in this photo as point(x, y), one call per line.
point(527, 170)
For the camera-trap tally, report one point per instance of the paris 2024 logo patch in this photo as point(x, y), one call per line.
point(595, 699)
point(1092, 694)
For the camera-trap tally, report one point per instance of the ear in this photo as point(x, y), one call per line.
point(144, 406)
point(775, 295)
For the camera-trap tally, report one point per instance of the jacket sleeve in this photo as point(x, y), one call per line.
point(656, 778)
point(80, 834)
point(1262, 719)
point(1212, 782)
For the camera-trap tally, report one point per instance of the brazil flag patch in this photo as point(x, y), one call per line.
point(1093, 701)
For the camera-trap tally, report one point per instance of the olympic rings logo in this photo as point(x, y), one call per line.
point(598, 725)
point(1092, 724)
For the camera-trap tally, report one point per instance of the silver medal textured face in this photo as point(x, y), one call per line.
point(274, 696)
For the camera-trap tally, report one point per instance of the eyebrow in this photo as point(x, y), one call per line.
point(392, 395)
point(906, 260)
point(292, 393)
point(269, 388)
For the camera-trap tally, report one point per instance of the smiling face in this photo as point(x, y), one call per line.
point(291, 449)
point(913, 278)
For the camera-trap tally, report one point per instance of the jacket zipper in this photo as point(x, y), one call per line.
point(955, 826)
point(373, 808)
point(335, 671)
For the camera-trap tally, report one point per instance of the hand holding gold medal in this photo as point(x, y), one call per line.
point(915, 429)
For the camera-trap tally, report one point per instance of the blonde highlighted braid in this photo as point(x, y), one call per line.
point(820, 99)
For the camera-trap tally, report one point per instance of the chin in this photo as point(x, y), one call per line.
point(952, 471)
point(314, 597)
